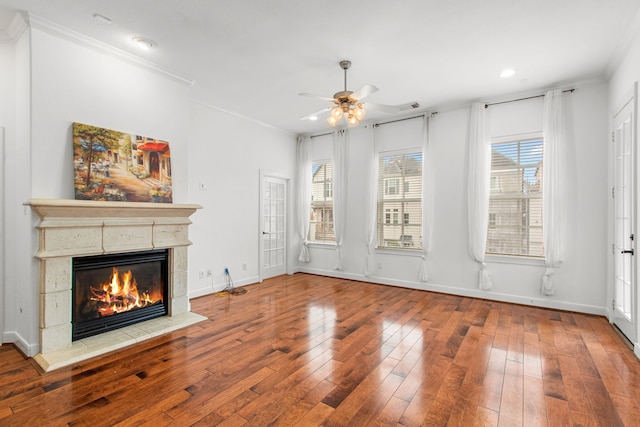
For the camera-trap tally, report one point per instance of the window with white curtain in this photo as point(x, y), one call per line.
point(515, 200)
point(400, 199)
point(321, 220)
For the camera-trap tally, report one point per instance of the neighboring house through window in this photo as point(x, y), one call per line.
point(321, 220)
point(400, 200)
point(515, 201)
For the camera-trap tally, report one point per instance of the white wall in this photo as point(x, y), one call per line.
point(60, 81)
point(18, 325)
point(580, 282)
point(7, 124)
point(626, 73)
point(226, 155)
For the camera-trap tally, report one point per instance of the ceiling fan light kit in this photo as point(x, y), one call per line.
point(348, 104)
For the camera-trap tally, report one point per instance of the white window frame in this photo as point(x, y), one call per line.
point(391, 211)
point(325, 192)
point(494, 219)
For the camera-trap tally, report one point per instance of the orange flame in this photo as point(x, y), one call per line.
point(121, 294)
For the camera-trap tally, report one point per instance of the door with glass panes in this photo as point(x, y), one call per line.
point(273, 246)
point(623, 192)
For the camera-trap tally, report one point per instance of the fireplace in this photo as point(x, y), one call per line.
point(79, 238)
point(117, 290)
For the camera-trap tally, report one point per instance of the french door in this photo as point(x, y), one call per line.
point(624, 202)
point(273, 238)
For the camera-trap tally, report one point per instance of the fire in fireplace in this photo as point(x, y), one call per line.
point(117, 290)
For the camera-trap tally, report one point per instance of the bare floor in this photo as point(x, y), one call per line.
point(307, 350)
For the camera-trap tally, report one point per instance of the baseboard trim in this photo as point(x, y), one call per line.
point(474, 293)
point(16, 339)
point(195, 293)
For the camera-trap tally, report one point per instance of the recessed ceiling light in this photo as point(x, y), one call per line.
point(102, 18)
point(142, 43)
point(506, 73)
point(313, 118)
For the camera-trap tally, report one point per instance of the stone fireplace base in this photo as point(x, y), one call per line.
point(97, 345)
point(75, 228)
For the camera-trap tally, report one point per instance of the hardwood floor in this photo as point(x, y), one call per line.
point(307, 350)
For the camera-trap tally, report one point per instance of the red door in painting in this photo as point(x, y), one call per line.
point(154, 165)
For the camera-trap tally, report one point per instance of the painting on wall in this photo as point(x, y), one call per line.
point(116, 166)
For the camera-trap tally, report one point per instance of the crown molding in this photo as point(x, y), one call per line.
point(241, 116)
point(14, 30)
point(39, 23)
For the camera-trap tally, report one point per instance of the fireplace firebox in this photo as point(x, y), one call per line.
point(116, 290)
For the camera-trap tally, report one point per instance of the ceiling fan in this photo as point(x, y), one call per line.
point(350, 104)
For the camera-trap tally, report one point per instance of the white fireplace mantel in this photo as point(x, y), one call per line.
point(74, 228)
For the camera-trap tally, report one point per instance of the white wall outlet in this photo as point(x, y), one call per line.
point(202, 274)
point(202, 186)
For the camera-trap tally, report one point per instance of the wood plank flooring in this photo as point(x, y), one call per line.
point(306, 350)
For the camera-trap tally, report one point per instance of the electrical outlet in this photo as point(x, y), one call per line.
point(202, 186)
point(202, 273)
point(244, 267)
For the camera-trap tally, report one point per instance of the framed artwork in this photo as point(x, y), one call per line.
point(116, 166)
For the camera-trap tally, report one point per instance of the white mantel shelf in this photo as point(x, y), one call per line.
point(109, 227)
point(79, 228)
point(63, 208)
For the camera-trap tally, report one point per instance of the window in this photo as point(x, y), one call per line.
point(400, 200)
point(391, 187)
point(515, 201)
point(321, 221)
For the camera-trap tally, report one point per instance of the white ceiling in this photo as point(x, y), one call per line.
point(253, 57)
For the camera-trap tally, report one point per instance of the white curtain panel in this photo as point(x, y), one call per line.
point(478, 191)
point(339, 191)
point(427, 199)
point(553, 200)
point(303, 195)
point(371, 200)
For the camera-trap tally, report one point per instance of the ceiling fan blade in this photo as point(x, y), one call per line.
point(324, 98)
point(390, 108)
point(317, 113)
point(363, 92)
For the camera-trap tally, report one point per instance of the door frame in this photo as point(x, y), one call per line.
point(287, 226)
point(630, 97)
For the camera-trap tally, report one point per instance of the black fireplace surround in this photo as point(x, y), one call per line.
point(117, 290)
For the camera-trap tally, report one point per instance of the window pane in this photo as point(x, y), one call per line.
point(321, 219)
point(515, 202)
point(400, 200)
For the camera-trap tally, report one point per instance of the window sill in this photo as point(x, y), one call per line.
point(510, 259)
point(400, 252)
point(322, 245)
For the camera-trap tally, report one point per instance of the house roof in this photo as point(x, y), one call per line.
point(252, 58)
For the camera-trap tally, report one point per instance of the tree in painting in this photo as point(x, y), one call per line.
point(93, 140)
